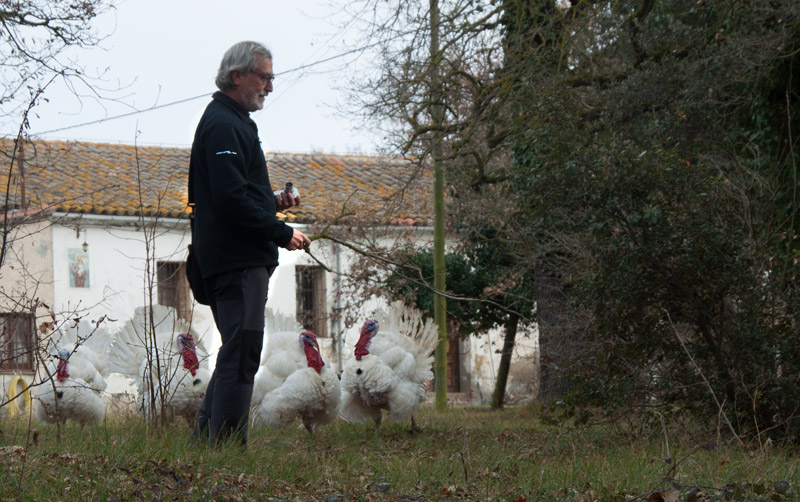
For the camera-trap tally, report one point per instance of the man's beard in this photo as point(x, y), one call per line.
point(254, 102)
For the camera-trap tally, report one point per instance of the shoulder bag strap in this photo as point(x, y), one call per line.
point(191, 197)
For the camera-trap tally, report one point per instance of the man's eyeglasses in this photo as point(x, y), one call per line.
point(266, 77)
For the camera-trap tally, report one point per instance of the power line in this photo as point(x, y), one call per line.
point(351, 51)
point(173, 103)
point(135, 112)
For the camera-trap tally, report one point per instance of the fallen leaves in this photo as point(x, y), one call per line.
point(670, 496)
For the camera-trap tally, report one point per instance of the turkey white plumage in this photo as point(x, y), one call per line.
point(72, 382)
point(391, 365)
point(293, 380)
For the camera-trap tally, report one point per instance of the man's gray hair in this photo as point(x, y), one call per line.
point(242, 57)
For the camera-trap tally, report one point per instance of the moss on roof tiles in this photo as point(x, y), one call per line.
point(106, 179)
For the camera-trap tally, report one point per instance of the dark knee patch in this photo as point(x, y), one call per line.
point(252, 341)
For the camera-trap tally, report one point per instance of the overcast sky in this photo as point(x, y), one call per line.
point(166, 51)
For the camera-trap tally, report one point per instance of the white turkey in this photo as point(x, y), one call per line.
point(392, 363)
point(166, 360)
point(72, 383)
point(293, 380)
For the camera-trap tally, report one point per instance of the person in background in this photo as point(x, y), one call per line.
point(236, 234)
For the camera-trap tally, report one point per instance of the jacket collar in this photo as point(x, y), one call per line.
point(230, 103)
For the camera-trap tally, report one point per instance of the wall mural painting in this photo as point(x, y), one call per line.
point(78, 268)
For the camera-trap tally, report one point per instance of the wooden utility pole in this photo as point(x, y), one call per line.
point(439, 302)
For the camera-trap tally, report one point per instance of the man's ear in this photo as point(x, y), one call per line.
point(237, 77)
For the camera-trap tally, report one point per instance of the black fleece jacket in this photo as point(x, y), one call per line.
point(235, 226)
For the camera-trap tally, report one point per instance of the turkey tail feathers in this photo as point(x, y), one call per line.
point(277, 321)
point(151, 331)
point(400, 318)
point(127, 350)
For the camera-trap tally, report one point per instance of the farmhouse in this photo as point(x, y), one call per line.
point(95, 230)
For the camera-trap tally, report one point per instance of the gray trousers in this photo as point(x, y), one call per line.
point(238, 306)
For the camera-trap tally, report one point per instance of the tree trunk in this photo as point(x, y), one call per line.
point(557, 339)
point(505, 362)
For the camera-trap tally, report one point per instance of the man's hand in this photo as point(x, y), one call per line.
point(299, 241)
point(285, 201)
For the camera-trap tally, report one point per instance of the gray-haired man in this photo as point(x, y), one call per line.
point(236, 234)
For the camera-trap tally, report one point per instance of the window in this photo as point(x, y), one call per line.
point(173, 287)
point(311, 298)
point(16, 341)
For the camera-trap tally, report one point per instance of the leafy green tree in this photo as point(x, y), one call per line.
point(660, 178)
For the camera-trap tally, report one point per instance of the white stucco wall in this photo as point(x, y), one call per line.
point(116, 262)
point(26, 272)
point(481, 358)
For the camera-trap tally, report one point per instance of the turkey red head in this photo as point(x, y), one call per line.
point(188, 352)
point(308, 342)
point(61, 371)
point(368, 332)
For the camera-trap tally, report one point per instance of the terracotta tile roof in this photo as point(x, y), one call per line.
point(96, 178)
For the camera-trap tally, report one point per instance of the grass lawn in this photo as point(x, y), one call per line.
point(468, 453)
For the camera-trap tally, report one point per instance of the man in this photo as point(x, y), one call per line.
point(236, 234)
